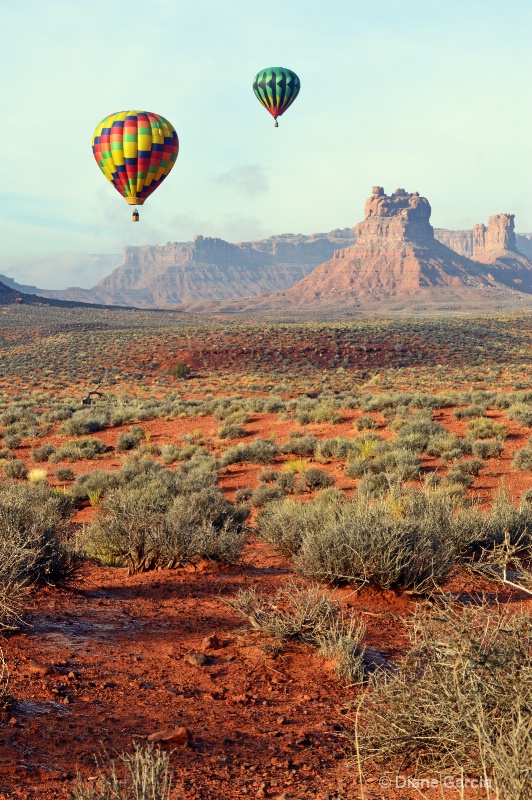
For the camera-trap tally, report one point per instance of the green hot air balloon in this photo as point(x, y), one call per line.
point(276, 88)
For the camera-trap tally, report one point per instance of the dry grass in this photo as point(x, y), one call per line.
point(141, 775)
point(460, 700)
point(306, 614)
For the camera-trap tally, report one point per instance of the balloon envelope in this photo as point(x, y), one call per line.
point(135, 150)
point(276, 88)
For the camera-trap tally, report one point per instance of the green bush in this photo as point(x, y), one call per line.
point(33, 542)
point(406, 539)
point(266, 494)
point(365, 423)
point(313, 479)
point(15, 469)
point(523, 459)
point(84, 422)
point(483, 428)
point(64, 474)
point(180, 370)
point(259, 451)
point(144, 527)
point(487, 448)
point(231, 431)
point(78, 449)
point(42, 453)
point(131, 440)
point(300, 445)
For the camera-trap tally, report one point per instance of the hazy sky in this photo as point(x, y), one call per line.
point(429, 95)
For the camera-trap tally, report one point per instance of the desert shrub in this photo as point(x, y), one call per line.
point(504, 521)
point(417, 432)
point(306, 615)
point(487, 448)
point(142, 775)
point(243, 495)
point(132, 439)
point(445, 444)
point(98, 480)
point(458, 476)
point(259, 451)
point(314, 411)
point(300, 446)
point(268, 475)
point(15, 468)
point(64, 474)
point(365, 423)
point(78, 449)
point(286, 481)
point(180, 370)
point(231, 431)
point(339, 447)
point(32, 542)
point(148, 526)
point(472, 466)
point(85, 421)
point(42, 453)
point(405, 539)
point(12, 442)
point(266, 494)
point(4, 453)
point(523, 459)
point(484, 428)
point(313, 479)
point(374, 485)
point(473, 410)
point(456, 698)
point(522, 412)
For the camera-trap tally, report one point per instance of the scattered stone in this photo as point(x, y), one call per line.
point(174, 735)
point(282, 720)
point(37, 668)
point(196, 658)
point(211, 643)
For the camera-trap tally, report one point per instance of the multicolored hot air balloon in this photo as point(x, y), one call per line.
point(135, 150)
point(276, 88)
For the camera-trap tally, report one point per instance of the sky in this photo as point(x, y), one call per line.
point(429, 95)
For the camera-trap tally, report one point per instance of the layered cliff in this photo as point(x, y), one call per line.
point(208, 268)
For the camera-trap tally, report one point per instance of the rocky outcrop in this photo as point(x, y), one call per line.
point(395, 254)
point(497, 240)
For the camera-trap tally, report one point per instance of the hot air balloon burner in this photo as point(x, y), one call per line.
point(135, 216)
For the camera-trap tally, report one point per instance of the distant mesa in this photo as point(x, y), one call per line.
point(394, 260)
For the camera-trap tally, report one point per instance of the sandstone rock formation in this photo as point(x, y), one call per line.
point(209, 268)
point(395, 254)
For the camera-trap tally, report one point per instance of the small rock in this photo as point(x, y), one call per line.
point(196, 658)
point(13, 721)
point(211, 643)
point(261, 791)
point(173, 735)
point(66, 700)
point(37, 668)
point(281, 720)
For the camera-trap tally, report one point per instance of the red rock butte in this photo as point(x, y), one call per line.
point(396, 254)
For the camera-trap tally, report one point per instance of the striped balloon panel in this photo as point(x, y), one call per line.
point(276, 88)
point(135, 150)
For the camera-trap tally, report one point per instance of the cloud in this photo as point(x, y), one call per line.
point(250, 180)
point(59, 270)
